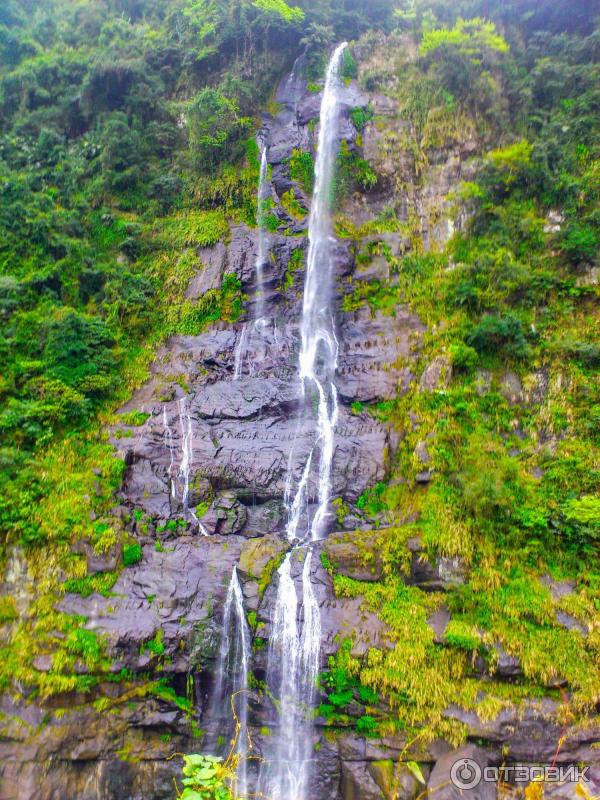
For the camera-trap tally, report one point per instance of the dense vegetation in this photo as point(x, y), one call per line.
point(509, 444)
point(127, 138)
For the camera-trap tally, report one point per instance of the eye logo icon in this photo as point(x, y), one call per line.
point(466, 774)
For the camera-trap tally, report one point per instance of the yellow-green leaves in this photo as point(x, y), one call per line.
point(469, 36)
point(511, 162)
point(279, 8)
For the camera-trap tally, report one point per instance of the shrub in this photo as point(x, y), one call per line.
point(216, 128)
point(463, 357)
point(579, 243)
point(582, 517)
point(499, 335)
point(207, 778)
point(132, 553)
point(360, 117)
point(79, 347)
point(349, 69)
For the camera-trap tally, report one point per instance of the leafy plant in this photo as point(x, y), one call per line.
point(206, 778)
point(132, 553)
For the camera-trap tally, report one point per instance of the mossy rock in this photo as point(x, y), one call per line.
point(355, 555)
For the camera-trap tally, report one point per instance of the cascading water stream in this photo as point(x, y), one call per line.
point(232, 677)
point(294, 648)
point(319, 346)
point(293, 667)
point(263, 251)
point(263, 237)
point(183, 473)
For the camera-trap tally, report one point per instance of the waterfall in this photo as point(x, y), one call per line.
point(294, 647)
point(240, 351)
point(232, 677)
point(185, 424)
point(263, 251)
point(293, 666)
point(263, 237)
point(319, 347)
point(183, 473)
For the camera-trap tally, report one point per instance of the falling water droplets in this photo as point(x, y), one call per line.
point(294, 648)
point(232, 683)
point(319, 346)
point(261, 322)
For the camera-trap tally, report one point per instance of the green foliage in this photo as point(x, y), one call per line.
point(281, 9)
point(580, 243)
point(499, 335)
point(290, 203)
point(193, 229)
point(216, 128)
point(155, 646)
point(302, 169)
point(361, 117)
point(132, 553)
point(216, 304)
point(459, 634)
point(510, 163)
point(352, 172)
point(8, 610)
point(469, 37)
point(344, 689)
point(463, 357)
point(459, 66)
point(101, 583)
point(134, 418)
point(206, 778)
point(349, 69)
point(86, 645)
point(372, 500)
point(295, 264)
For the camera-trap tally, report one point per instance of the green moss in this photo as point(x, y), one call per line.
point(224, 304)
point(155, 646)
point(101, 583)
point(266, 576)
point(134, 418)
point(465, 637)
point(294, 265)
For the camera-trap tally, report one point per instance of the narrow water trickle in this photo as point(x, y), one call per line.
point(240, 352)
point(260, 321)
point(263, 237)
point(182, 479)
point(231, 687)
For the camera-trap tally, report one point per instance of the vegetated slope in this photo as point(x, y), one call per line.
point(496, 473)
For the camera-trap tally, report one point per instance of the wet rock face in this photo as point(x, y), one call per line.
point(214, 458)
